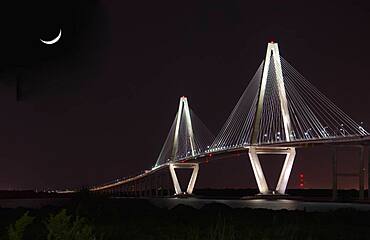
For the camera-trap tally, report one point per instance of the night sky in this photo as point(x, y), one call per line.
point(98, 104)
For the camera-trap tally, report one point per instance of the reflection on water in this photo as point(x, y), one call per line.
point(32, 203)
point(277, 204)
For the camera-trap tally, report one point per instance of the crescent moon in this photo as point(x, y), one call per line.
point(54, 40)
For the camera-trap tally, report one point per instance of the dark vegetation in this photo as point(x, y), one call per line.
point(97, 217)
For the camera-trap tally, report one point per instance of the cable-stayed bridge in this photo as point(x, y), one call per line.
point(278, 112)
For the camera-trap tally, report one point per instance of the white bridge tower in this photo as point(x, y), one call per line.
point(183, 115)
point(272, 57)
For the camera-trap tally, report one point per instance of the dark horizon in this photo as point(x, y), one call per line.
point(98, 104)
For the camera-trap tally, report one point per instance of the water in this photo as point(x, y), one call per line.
point(32, 203)
point(277, 204)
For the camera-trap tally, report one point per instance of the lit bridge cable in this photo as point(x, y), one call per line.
point(278, 111)
point(312, 116)
point(187, 138)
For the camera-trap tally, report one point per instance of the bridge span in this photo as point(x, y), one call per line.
point(279, 112)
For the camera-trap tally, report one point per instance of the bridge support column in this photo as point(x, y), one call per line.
point(193, 178)
point(361, 174)
point(368, 173)
point(156, 180)
point(137, 189)
point(285, 172)
point(335, 175)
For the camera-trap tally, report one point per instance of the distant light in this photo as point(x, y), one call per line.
point(301, 180)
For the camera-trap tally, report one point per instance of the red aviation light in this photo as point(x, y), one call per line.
point(301, 180)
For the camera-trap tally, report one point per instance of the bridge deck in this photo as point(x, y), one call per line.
point(226, 153)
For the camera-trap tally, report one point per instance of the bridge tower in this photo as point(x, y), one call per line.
point(272, 58)
point(183, 111)
point(183, 122)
